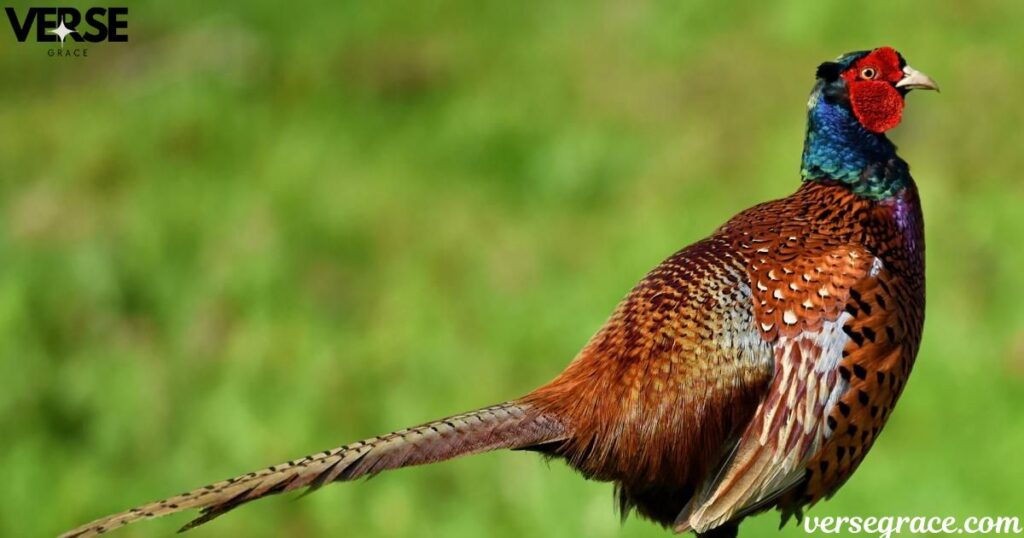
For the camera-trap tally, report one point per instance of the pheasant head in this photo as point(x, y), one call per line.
point(856, 99)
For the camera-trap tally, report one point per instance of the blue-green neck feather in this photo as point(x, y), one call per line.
point(839, 148)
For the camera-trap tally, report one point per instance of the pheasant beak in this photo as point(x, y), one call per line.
point(916, 80)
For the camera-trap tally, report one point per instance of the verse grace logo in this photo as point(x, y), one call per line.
point(68, 24)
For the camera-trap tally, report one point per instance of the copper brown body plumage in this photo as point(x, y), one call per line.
point(702, 410)
point(752, 370)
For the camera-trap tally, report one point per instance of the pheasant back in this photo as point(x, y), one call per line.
point(754, 367)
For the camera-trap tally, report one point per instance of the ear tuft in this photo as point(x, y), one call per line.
point(829, 71)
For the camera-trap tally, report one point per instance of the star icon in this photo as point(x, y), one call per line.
point(62, 32)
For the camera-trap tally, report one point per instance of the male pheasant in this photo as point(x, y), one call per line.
point(753, 369)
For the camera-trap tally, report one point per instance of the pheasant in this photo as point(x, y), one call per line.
point(751, 370)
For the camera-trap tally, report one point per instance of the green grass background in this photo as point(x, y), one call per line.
point(259, 230)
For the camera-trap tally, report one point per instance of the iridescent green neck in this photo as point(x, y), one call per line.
point(838, 148)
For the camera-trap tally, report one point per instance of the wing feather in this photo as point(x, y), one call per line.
point(802, 305)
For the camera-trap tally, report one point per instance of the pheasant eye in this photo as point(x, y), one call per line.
point(868, 73)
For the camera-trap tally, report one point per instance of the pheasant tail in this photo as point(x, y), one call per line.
point(508, 425)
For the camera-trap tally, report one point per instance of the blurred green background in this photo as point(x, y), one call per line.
point(260, 230)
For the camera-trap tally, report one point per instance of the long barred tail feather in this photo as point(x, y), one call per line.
point(508, 425)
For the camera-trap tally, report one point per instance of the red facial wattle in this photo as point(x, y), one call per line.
point(876, 103)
